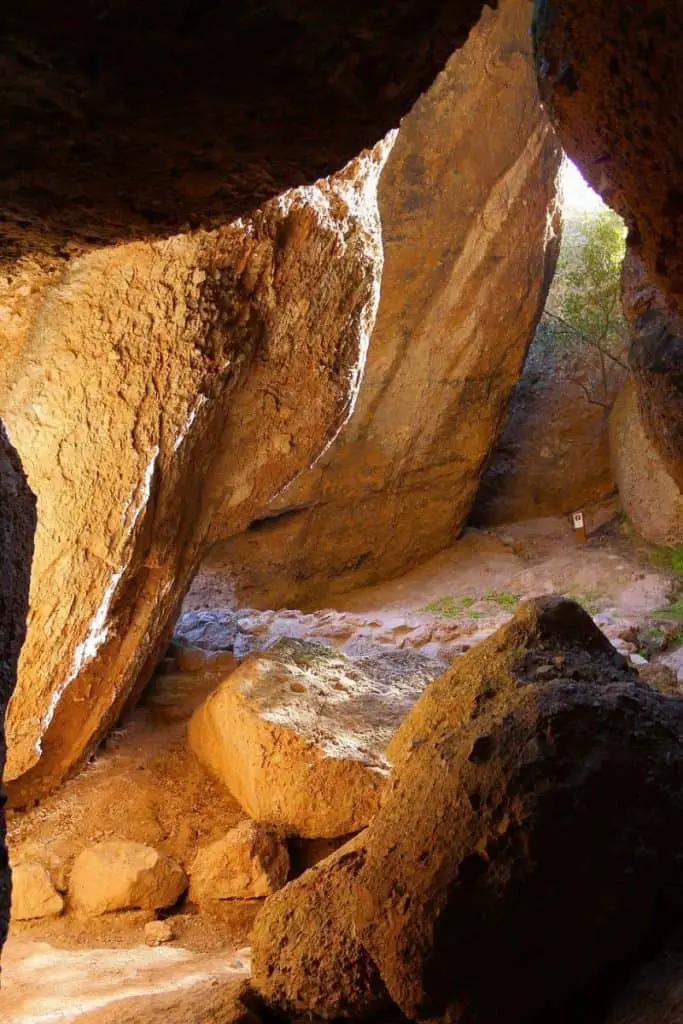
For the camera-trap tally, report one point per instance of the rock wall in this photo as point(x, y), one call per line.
point(17, 526)
point(467, 203)
point(552, 456)
point(650, 496)
point(144, 376)
point(608, 76)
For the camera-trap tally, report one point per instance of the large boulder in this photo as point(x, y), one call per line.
point(120, 875)
point(145, 385)
point(466, 201)
point(649, 494)
point(298, 733)
point(530, 838)
point(17, 527)
point(305, 953)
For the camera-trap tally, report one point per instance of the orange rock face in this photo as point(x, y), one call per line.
point(466, 200)
point(149, 382)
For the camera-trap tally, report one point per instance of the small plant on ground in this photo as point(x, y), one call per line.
point(504, 599)
point(477, 615)
point(672, 611)
point(447, 606)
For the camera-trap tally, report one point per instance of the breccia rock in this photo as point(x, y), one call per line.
point(505, 848)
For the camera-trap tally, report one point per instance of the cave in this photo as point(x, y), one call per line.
point(342, 655)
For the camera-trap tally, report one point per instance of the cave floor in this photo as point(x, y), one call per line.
point(144, 784)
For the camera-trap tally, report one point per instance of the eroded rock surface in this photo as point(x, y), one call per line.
point(248, 863)
point(119, 875)
point(33, 892)
point(147, 375)
point(650, 496)
point(465, 199)
point(306, 955)
point(298, 733)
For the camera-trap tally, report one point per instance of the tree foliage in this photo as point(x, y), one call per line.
point(584, 306)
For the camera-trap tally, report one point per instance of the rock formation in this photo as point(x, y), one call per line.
point(248, 863)
point(17, 526)
point(466, 202)
point(142, 377)
point(618, 112)
point(298, 733)
point(306, 956)
point(33, 892)
point(214, 109)
point(118, 875)
point(649, 495)
point(552, 456)
point(504, 849)
point(186, 131)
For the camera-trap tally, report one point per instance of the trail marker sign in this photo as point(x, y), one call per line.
point(579, 524)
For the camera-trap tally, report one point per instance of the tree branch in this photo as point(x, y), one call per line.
point(588, 341)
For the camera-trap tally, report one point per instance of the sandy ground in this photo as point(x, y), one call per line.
point(145, 784)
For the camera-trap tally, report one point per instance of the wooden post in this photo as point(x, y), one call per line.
point(579, 525)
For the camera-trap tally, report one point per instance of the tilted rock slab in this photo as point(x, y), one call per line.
point(144, 385)
point(467, 201)
point(298, 733)
point(649, 494)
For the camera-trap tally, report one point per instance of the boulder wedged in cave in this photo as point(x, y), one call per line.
point(467, 199)
point(17, 527)
point(650, 496)
point(608, 76)
point(141, 378)
point(123, 121)
point(506, 849)
point(298, 733)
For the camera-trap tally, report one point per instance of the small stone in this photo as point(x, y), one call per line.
point(120, 875)
point(250, 862)
point(158, 932)
point(33, 894)
point(637, 659)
